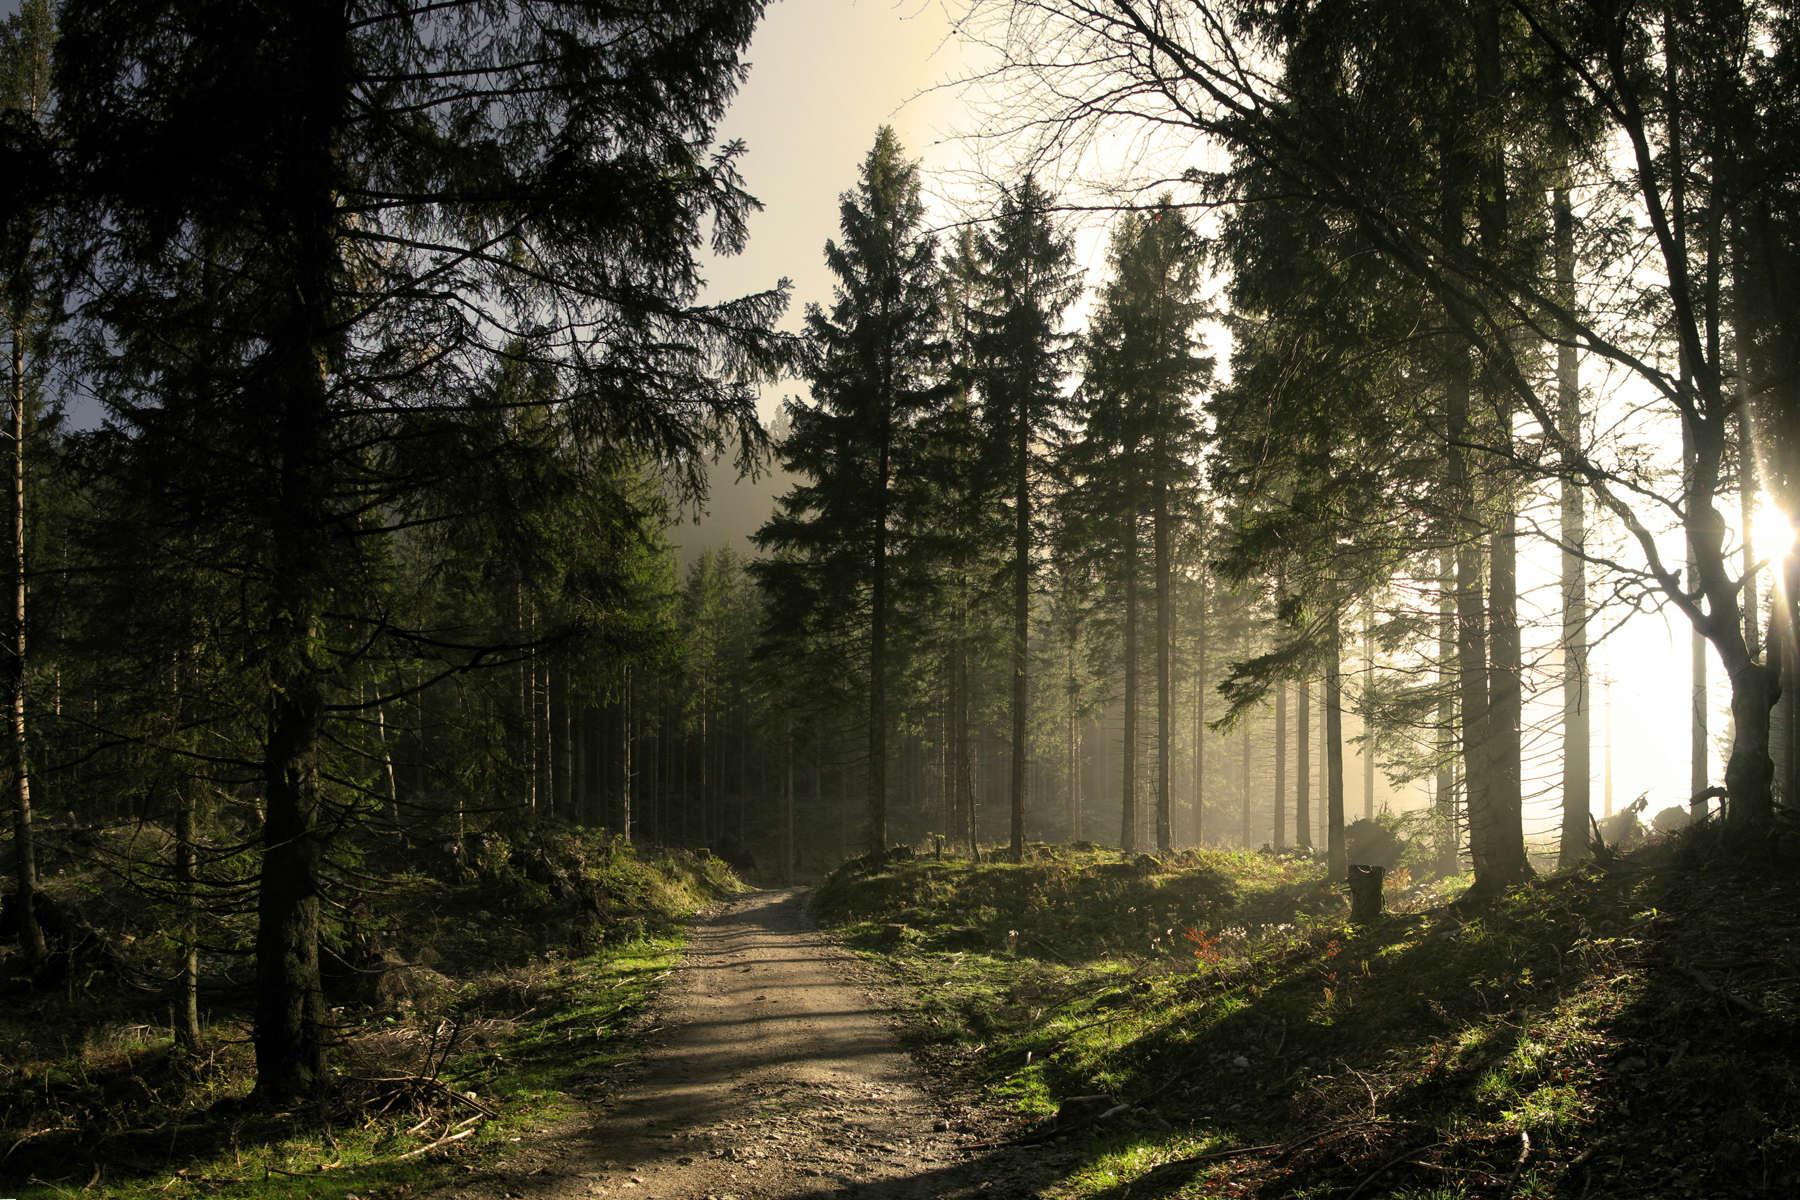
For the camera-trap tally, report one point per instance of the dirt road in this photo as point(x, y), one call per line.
point(774, 1074)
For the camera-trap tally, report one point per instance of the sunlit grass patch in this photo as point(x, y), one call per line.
point(1561, 1035)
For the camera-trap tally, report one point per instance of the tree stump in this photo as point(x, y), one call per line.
point(1365, 893)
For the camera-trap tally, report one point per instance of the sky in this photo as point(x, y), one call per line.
point(824, 76)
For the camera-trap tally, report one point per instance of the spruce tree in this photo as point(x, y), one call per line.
point(1029, 278)
point(380, 233)
point(1146, 367)
point(874, 367)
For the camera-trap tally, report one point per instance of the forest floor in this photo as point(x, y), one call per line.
point(1084, 1025)
point(474, 1004)
point(1208, 1024)
point(771, 1071)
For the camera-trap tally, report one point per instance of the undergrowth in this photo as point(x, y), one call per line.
point(473, 1000)
point(1210, 1025)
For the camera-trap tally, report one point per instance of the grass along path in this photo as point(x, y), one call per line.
point(1214, 1027)
point(775, 1075)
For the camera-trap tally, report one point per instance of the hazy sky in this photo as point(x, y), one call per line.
point(824, 75)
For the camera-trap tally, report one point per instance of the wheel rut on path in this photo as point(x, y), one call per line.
point(772, 1074)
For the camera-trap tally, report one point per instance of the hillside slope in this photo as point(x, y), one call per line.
point(1210, 1025)
point(472, 998)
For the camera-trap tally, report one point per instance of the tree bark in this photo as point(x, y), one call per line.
point(1577, 756)
point(1165, 623)
point(625, 764)
point(1444, 797)
point(1200, 710)
point(1303, 767)
point(1021, 582)
point(877, 802)
point(31, 932)
point(1368, 723)
point(1128, 815)
point(290, 1003)
point(187, 1024)
point(1246, 834)
point(1279, 840)
point(1506, 862)
point(1336, 862)
point(1074, 747)
point(787, 799)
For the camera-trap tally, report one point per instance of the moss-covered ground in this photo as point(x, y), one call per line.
point(1210, 1024)
point(473, 1002)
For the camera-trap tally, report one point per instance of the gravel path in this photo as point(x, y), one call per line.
point(772, 1074)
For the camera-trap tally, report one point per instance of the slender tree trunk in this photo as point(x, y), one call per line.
point(1128, 815)
point(706, 830)
point(1337, 862)
point(965, 766)
point(787, 799)
point(1165, 633)
point(1246, 834)
point(1444, 792)
point(625, 764)
point(31, 933)
point(549, 737)
point(1577, 768)
point(1021, 623)
point(877, 830)
point(1501, 859)
point(1368, 710)
point(1280, 825)
point(1303, 767)
point(1322, 832)
point(1073, 723)
point(1200, 711)
point(187, 886)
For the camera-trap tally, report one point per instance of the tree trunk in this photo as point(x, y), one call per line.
point(1200, 711)
point(1500, 859)
point(187, 1024)
point(1279, 841)
point(1303, 768)
point(1444, 795)
point(1128, 816)
point(1577, 767)
point(787, 800)
point(290, 1004)
point(964, 751)
point(1021, 624)
point(1164, 635)
point(877, 800)
point(1246, 834)
point(625, 765)
point(1368, 722)
point(31, 933)
point(1336, 862)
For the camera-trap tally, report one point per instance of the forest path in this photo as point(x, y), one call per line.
point(772, 1075)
